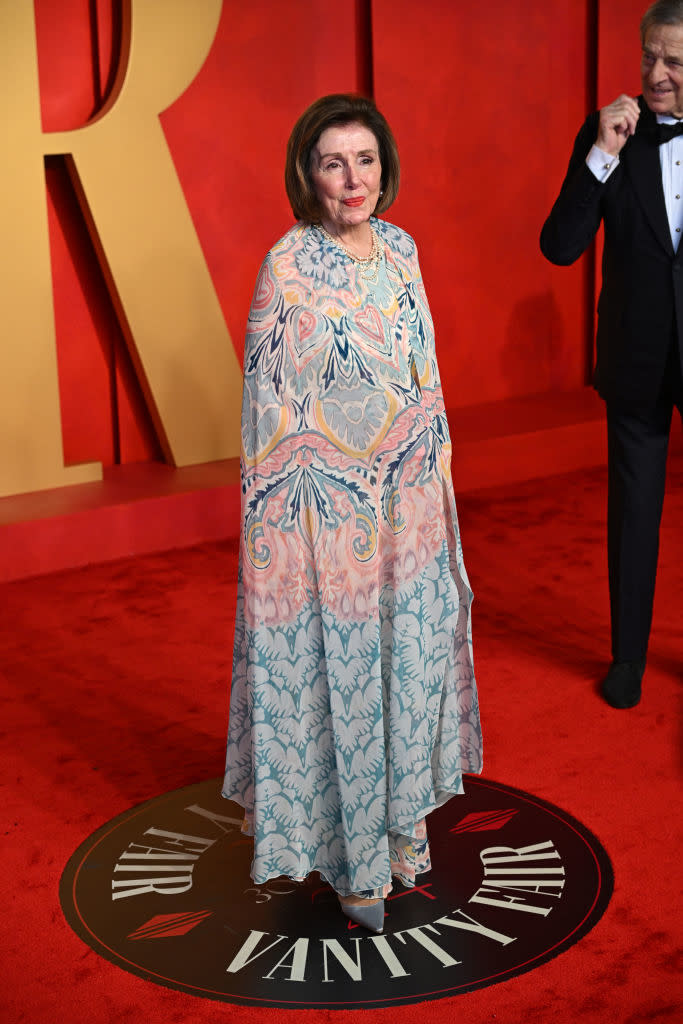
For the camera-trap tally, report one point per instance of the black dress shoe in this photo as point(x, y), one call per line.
point(621, 685)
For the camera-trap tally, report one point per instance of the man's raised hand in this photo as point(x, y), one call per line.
point(617, 123)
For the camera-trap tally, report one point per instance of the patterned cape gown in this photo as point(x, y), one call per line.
point(353, 708)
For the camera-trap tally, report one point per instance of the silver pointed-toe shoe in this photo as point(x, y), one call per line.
point(370, 916)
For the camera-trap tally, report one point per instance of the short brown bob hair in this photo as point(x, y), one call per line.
point(334, 110)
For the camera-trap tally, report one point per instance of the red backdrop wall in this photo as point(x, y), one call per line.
point(484, 102)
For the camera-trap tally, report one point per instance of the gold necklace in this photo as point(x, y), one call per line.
point(368, 266)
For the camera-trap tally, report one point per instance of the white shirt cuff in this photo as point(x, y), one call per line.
point(600, 163)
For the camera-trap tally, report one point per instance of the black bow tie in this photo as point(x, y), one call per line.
point(667, 132)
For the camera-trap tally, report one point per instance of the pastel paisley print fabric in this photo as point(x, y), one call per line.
point(353, 709)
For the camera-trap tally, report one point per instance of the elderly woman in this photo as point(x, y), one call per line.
point(353, 711)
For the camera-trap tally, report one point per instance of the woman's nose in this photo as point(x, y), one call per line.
point(352, 177)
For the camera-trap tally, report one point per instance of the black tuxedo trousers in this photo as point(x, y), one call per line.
point(637, 447)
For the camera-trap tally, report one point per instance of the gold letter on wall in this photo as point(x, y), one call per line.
point(143, 232)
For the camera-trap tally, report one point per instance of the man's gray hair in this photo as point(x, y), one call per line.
point(661, 12)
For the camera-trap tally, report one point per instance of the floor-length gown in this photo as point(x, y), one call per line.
point(353, 708)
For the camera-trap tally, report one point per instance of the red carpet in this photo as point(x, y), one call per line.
point(115, 690)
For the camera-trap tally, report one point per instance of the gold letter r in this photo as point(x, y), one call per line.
point(146, 241)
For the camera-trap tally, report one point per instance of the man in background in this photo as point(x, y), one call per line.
point(626, 171)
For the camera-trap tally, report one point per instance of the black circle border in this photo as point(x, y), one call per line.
point(72, 913)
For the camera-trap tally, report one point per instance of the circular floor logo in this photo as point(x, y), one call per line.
point(164, 891)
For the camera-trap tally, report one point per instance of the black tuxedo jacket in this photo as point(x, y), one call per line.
point(641, 300)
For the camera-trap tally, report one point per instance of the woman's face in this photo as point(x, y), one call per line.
point(346, 174)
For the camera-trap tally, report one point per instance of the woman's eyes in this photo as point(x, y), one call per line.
point(336, 165)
